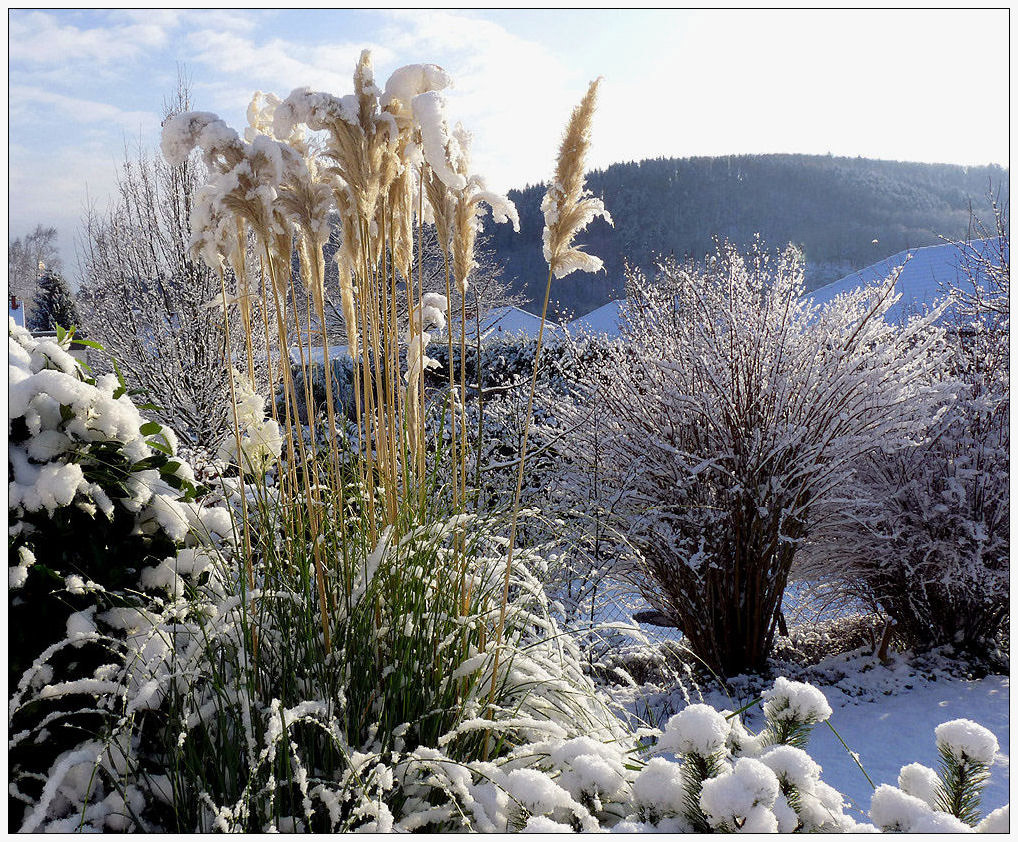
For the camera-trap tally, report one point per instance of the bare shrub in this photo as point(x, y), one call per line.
point(737, 407)
point(150, 302)
point(923, 532)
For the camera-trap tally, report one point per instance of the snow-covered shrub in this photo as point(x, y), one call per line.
point(923, 533)
point(737, 407)
point(257, 441)
point(96, 492)
point(100, 508)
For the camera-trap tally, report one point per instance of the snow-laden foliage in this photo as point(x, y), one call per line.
point(257, 442)
point(735, 409)
point(926, 801)
point(96, 493)
point(94, 489)
point(562, 760)
point(568, 207)
point(306, 742)
point(924, 533)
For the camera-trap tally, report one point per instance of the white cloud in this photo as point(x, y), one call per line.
point(25, 100)
point(278, 64)
point(47, 38)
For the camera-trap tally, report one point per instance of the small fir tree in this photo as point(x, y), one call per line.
point(54, 305)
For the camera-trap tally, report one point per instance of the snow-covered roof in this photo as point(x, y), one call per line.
point(923, 280)
point(511, 322)
point(604, 321)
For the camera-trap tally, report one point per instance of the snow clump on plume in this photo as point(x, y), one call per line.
point(697, 729)
point(789, 700)
point(967, 740)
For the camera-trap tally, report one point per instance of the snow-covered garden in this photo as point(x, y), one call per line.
point(285, 594)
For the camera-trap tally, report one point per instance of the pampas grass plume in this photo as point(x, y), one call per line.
point(568, 208)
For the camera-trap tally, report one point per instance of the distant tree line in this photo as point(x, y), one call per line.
point(832, 208)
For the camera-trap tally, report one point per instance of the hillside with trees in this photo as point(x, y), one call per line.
point(834, 208)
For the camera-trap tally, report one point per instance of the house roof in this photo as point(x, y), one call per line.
point(605, 321)
point(926, 273)
point(511, 322)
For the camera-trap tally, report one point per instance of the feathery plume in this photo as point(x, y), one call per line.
point(568, 208)
point(467, 212)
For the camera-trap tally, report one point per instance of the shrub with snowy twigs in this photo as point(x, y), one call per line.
point(736, 408)
point(924, 532)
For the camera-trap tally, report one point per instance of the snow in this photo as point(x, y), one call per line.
point(795, 700)
point(999, 821)
point(407, 82)
point(793, 765)
point(316, 353)
point(697, 729)
point(920, 781)
point(894, 810)
point(967, 740)
point(605, 321)
point(512, 322)
point(659, 788)
point(922, 282)
point(536, 791)
point(897, 729)
point(747, 792)
point(886, 713)
point(502, 208)
point(261, 440)
point(439, 147)
point(542, 824)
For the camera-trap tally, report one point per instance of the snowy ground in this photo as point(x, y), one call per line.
point(885, 712)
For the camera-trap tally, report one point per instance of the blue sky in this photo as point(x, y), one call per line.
point(909, 85)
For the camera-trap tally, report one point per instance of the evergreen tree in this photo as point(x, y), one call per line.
point(833, 207)
point(54, 304)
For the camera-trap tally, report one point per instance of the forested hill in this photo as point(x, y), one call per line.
point(833, 207)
